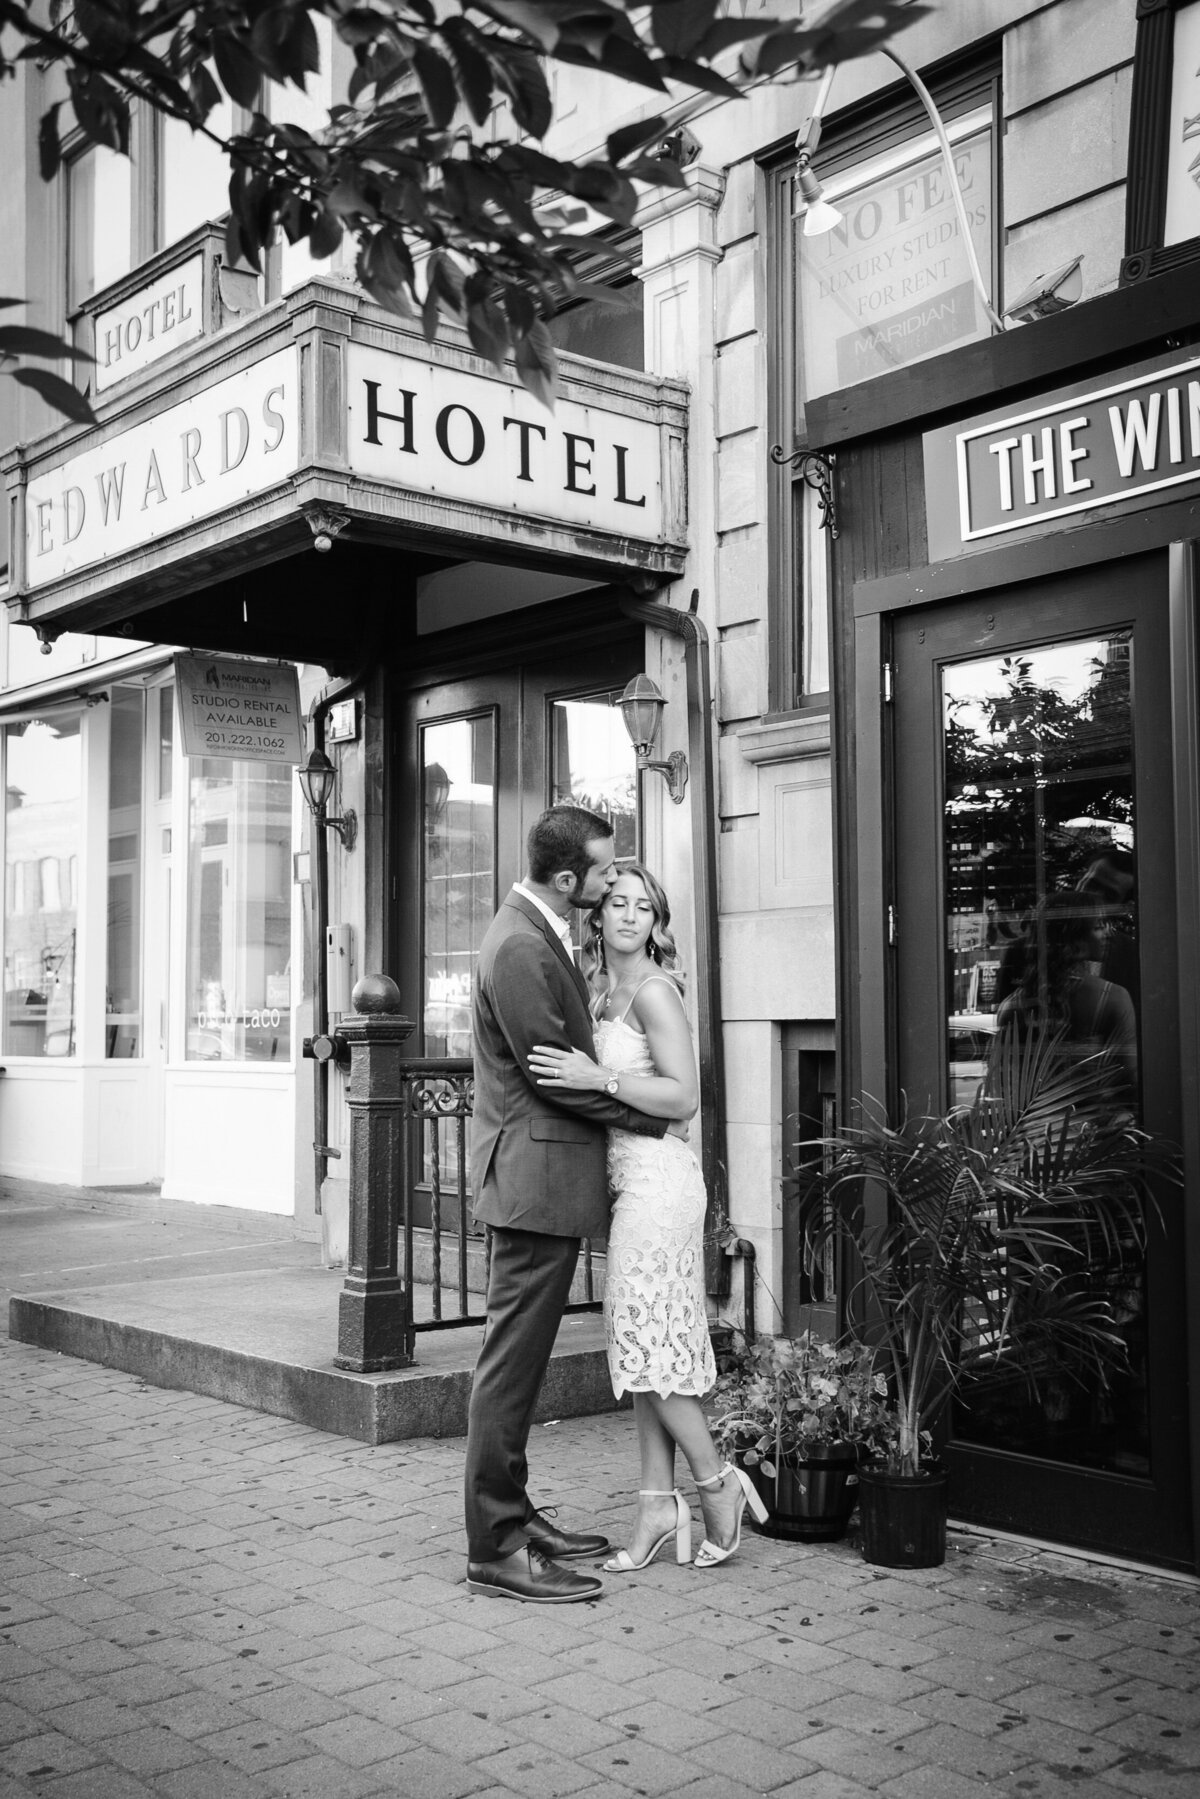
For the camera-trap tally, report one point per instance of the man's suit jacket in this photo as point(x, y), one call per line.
point(537, 1163)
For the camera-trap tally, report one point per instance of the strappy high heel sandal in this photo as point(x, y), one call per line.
point(623, 1562)
point(709, 1554)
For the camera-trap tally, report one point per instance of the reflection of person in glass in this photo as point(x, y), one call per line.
point(1058, 985)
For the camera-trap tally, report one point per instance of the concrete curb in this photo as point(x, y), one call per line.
point(373, 1408)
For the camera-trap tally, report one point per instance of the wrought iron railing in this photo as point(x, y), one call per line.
point(440, 1249)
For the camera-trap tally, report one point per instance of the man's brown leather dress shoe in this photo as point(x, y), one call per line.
point(527, 1575)
point(560, 1545)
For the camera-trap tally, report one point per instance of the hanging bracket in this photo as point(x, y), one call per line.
point(815, 468)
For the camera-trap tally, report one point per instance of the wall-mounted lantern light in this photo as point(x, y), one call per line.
point(642, 707)
point(316, 781)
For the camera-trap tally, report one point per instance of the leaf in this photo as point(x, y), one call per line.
point(677, 26)
point(632, 137)
point(487, 330)
point(724, 33)
point(537, 365)
point(471, 67)
point(24, 340)
point(205, 94)
point(697, 74)
point(102, 112)
point(536, 21)
point(520, 75)
point(240, 74)
point(49, 145)
point(325, 234)
point(4, 303)
point(437, 84)
point(57, 393)
point(386, 271)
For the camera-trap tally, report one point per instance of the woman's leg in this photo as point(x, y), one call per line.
point(681, 1417)
point(657, 1463)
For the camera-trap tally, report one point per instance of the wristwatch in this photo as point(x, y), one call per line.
point(611, 1085)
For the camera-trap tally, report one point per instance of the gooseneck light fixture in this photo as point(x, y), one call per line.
point(819, 216)
point(317, 777)
point(642, 708)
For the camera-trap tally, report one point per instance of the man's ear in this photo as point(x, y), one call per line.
point(564, 881)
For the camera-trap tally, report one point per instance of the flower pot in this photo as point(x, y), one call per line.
point(810, 1501)
point(903, 1518)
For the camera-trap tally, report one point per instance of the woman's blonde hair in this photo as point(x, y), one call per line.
point(660, 945)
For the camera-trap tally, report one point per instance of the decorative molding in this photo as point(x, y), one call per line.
point(788, 737)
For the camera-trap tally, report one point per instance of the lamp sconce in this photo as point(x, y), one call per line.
point(816, 470)
point(325, 522)
point(316, 778)
point(641, 708)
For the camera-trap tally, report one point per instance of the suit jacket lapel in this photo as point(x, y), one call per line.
point(553, 939)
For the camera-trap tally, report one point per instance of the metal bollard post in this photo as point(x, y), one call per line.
point(374, 1308)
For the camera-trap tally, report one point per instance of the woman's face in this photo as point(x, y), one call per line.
point(628, 916)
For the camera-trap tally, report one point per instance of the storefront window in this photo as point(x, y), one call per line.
point(458, 762)
point(239, 912)
point(42, 824)
point(123, 983)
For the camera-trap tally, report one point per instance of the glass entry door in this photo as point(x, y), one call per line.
point(1034, 884)
point(484, 755)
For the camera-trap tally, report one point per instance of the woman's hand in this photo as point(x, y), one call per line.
point(566, 1068)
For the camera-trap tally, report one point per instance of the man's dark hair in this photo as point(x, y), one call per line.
point(560, 838)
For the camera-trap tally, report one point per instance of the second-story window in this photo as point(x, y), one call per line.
point(99, 222)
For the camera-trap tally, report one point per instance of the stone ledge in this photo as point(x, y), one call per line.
point(785, 737)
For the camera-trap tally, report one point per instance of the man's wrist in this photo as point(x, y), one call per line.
point(609, 1081)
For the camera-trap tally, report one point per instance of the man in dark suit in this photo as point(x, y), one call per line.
point(538, 1171)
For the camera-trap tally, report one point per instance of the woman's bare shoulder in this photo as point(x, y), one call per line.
point(658, 1001)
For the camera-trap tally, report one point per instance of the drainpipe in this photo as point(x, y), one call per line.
point(322, 1153)
point(702, 794)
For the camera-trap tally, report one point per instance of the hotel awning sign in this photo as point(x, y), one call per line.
point(1041, 466)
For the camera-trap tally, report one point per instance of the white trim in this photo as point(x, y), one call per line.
point(77, 683)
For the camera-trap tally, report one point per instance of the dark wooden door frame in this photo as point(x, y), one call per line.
point(1043, 611)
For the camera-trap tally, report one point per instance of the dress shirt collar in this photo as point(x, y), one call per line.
point(562, 926)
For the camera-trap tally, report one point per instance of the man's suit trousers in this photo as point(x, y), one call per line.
point(528, 1287)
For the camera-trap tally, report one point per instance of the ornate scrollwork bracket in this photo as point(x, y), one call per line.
point(325, 522)
point(816, 469)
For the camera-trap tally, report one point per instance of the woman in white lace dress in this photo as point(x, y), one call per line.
point(659, 1348)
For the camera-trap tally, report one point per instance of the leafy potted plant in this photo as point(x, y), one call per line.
point(792, 1411)
point(971, 1244)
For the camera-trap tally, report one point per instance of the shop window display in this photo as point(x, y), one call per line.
point(239, 913)
point(42, 825)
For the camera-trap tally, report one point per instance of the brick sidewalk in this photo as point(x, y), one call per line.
point(208, 1603)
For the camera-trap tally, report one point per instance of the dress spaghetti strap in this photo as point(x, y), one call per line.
point(646, 983)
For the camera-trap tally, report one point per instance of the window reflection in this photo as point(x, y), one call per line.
point(458, 776)
point(123, 983)
point(1042, 934)
point(594, 765)
point(239, 912)
point(42, 824)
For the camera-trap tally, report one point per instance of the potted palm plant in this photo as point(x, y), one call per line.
point(971, 1244)
point(793, 1411)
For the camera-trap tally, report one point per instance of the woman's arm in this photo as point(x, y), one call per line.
point(672, 1092)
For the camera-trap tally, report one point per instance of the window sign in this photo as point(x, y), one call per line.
point(1183, 153)
point(250, 710)
point(892, 283)
point(239, 912)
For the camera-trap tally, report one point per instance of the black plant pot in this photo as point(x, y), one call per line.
point(810, 1501)
point(903, 1517)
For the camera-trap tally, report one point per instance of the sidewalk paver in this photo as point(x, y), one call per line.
point(203, 1602)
